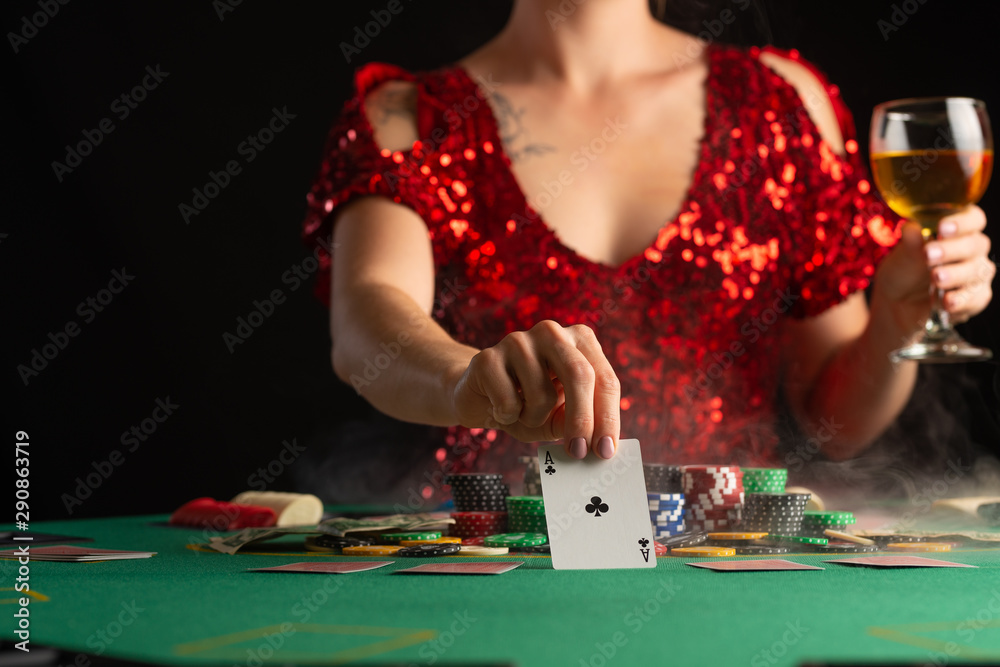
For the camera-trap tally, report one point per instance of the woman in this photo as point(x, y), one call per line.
point(598, 226)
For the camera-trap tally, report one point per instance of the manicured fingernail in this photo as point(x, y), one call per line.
point(947, 229)
point(606, 447)
point(578, 448)
point(934, 252)
point(941, 277)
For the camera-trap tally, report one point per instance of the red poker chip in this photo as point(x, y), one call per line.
point(661, 549)
point(474, 541)
point(710, 467)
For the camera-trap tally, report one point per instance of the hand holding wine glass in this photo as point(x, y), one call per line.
point(932, 158)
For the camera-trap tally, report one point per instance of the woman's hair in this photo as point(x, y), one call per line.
point(738, 22)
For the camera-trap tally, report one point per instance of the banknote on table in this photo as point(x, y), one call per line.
point(340, 526)
point(232, 543)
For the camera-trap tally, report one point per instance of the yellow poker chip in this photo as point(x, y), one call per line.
point(440, 540)
point(737, 536)
point(919, 546)
point(373, 550)
point(848, 537)
point(703, 551)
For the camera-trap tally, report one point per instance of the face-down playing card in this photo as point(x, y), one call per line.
point(596, 509)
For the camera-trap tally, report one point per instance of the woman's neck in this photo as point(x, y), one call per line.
point(585, 43)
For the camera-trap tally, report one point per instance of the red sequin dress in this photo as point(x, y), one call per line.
point(774, 226)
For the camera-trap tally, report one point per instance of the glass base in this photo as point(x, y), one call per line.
point(951, 350)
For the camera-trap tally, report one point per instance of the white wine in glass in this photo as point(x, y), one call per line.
point(932, 157)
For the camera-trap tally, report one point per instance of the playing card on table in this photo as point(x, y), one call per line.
point(75, 554)
point(897, 561)
point(761, 565)
point(596, 509)
point(463, 568)
point(324, 567)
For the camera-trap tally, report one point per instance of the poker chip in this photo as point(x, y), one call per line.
point(440, 540)
point(373, 550)
point(477, 524)
point(760, 550)
point(526, 514)
point(535, 549)
point(883, 540)
point(846, 548)
point(661, 549)
point(707, 552)
point(848, 537)
point(471, 550)
point(473, 541)
point(919, 546)
point(799, 539)
point(516, 540)
point(429, 550)
point(685, 540)
point(764, 480)
point(734, 536)
point(396, 538)
point(478, 491)
point(662, 478)
point(829, 518)
point(333, 543)
point(713, 495)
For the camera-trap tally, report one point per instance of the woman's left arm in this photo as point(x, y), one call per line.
point(838, 378)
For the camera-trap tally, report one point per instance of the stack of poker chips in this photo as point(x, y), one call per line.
point(662, 478)
point(532, 476)
point(815, 523)
point(774, 513)
point(666, 513)
point(526, 514)
point(714, 496)
point(764, 480)
point(478, 492)
point(471, 525)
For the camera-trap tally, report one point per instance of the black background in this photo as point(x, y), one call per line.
point(162, 336)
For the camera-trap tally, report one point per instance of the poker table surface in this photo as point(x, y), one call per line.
point(190, 605)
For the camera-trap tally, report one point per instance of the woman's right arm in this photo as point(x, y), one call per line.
point(547, 383)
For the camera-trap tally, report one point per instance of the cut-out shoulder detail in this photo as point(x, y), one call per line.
point(391, 109)
point(814, 96)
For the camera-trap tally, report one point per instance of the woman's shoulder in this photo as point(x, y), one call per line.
point(769, 76)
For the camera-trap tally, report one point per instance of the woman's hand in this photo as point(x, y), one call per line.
point(547, 383)
point(957, 262)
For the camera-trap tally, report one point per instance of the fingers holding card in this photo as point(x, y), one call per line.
point(596, 509)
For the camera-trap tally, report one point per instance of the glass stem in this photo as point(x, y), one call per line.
point(938, 325)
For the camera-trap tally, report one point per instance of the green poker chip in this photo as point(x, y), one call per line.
point(829, 518)
point(516, 540)
point(394, 538)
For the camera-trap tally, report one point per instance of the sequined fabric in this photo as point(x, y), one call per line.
point(775, 226)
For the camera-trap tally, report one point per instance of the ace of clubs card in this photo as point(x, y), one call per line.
point(596, 509)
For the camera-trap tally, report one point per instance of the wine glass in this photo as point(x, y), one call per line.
point(932, 157)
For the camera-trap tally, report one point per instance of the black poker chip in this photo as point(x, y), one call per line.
point(334, 542)
point(760, 550)
point(847, 549)
point(883, 540)
point(683, 540)
point(538, 549)
point(429, 550)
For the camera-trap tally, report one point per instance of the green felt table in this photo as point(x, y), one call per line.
point(187, 606)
